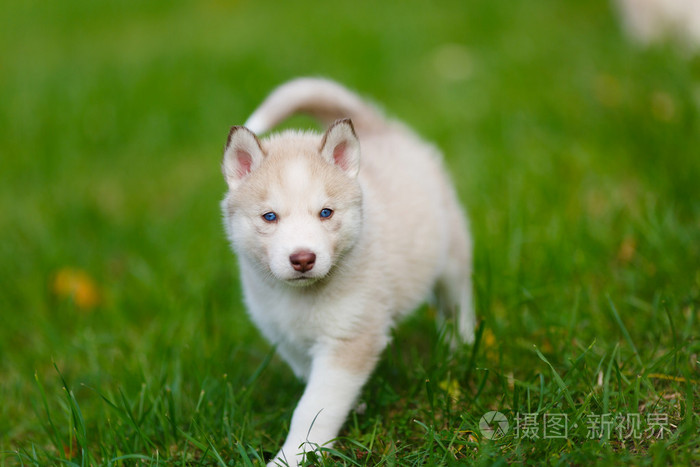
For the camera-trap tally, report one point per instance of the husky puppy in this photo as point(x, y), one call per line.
point(338, 235)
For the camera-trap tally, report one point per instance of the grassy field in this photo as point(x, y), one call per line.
point(123, 339)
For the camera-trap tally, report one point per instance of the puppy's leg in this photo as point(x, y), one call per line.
point(455, 305)
point(454, 287)
point(298, 360)
point(339, 369)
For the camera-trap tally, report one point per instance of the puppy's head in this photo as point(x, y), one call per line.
point(294, 205)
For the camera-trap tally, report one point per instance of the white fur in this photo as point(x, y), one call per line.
point(655, 20)
point(397, 232)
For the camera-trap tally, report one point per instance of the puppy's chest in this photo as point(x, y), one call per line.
point(284, 315)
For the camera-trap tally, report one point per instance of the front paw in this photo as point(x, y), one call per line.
point(283, 460)
point(295, 456)
point(279, 462)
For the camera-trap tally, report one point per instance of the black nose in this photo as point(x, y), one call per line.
point(303, 260)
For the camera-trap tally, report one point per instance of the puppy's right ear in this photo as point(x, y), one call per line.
point(242, 155)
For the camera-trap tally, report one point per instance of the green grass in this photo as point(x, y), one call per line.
point(575, 152)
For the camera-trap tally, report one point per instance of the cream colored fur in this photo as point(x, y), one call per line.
point(651, 21)
point(396, 233)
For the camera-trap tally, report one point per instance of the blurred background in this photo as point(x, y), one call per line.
point(574, 146)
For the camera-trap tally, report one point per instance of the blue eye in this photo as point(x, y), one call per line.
point(270, 216)
point(326, 213)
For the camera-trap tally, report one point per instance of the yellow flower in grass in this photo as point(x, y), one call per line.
point(488, 339)
point(451, 386)
point(78, 286)
point(488, 343)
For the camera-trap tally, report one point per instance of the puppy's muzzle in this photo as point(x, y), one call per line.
point(302, 260)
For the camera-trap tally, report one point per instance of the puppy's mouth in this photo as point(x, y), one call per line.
point(302, 281)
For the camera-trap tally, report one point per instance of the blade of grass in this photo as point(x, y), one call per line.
point(475, 349)
point(558, 379)
point(53, 431)
point(625, 333)
point(80, 429)
point(132, 421)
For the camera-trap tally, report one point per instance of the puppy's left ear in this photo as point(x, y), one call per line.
point(341, 147)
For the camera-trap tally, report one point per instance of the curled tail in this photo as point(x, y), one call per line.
point(321, 98)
